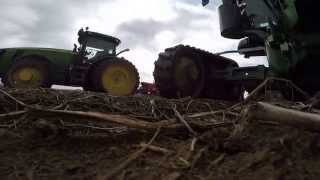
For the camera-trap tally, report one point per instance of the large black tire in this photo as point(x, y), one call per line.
point(179, 73)
point(116, 76)
point(306, 75)
point(204, 86)
point(28, 72)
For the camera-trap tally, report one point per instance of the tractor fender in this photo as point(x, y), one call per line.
point(37, 57)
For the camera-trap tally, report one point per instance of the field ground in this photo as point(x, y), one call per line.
point(42, 138)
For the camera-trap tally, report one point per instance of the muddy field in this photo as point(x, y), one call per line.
point(43, 138)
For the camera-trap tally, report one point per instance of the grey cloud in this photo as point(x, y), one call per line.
point(146, 76)
point(212, 5)
point(195, 2)
point(140, 32)
point(57, 19)
point(45, 22)
point(51, 22)
point(143, 32)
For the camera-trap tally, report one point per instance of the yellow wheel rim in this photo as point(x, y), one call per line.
point(119, 80)
point(27, 77)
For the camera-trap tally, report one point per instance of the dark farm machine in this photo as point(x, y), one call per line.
point(95, 65)
point(287, 32)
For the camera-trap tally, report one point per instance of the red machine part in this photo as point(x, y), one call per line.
point(147, 88)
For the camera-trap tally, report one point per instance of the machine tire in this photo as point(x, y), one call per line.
point(205, 86)
point(221, 88)
point(25, 69)
point(166, 73)
point(116, 76)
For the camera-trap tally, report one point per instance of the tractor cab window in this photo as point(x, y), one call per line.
point(97, 47)
point(260, 12)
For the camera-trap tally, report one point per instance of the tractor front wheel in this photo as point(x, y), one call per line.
point(118, 77)
point(28, 72)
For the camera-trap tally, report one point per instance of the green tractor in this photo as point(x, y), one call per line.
point(286, 31)
point(94, 65)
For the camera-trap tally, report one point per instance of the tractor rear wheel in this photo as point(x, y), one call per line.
point(28, 72)
point(179, 73)
point(118, 77)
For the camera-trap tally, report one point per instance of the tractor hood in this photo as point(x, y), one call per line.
point(58, 59)
point(39, 49)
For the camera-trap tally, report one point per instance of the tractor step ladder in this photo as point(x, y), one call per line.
point(78, 74)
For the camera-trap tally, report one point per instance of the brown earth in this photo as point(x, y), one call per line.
point(34, 146)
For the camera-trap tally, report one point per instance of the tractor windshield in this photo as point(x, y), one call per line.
point(96, 46)
point(93, 44)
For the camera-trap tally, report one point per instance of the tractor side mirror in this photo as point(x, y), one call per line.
point(205, 2)
point(122, 51)
point(75, 48)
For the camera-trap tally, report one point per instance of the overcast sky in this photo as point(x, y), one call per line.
point(147, 27)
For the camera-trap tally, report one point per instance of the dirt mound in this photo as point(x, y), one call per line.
point(54, 134)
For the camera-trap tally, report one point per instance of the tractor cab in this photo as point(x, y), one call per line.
point(96, 45)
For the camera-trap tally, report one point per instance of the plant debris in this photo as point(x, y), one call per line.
point(68, 134)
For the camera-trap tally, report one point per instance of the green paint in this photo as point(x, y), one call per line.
point(59, 60)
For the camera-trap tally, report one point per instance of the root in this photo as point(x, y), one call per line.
point(113, 172)
point(268, 112)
